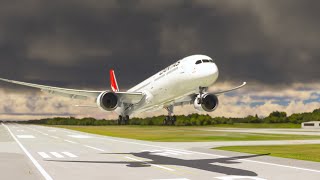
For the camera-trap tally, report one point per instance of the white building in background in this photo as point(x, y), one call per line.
point(311, 125)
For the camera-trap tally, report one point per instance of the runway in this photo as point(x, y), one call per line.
point(38, 152)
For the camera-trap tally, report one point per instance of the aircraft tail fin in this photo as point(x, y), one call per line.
point(113, 81)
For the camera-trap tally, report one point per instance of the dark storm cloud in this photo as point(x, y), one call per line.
point(74, 43)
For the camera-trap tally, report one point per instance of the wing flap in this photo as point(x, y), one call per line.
point(130, 97)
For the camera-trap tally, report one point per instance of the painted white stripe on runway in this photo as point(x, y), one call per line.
point(44, 155)
point(172, 179)
point(162, 167)
point(51, 130)
point(94, 148)
point(79, 136)
point(69, 154)
point(55, 137)
point(170, 153)
point(25, 136)
point(70, 141)
point(180, 152)
point(239, 177)
point(161, 154)
point(215, 155)
point(36, 164)
point(208, 154)
point(45, 134)
point(57, 155)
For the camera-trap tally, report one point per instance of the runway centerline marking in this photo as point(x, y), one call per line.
point(25, 136)
point(70, 141)
point(57, 155)
point(162, 167)
point(55, 137)
point(215, 155)
point(98, 149)
point(35, 162)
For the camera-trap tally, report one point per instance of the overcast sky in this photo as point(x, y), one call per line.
point(273, 45)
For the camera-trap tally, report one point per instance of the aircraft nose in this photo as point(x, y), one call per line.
point(210, 69)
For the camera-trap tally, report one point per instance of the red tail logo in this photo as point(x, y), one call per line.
point(113, 81)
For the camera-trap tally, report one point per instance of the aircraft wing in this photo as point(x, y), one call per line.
point(190, 98)
point(229, 90)
point(125, 97)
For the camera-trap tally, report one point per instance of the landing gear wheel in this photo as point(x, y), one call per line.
point(120, 120)
point(126, 120)
point(169, 120)
point(166, 120)
point(173, 120)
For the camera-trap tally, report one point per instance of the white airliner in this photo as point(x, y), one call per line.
point(184, 82)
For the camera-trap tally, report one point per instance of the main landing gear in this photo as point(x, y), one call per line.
point(169, 120)
point(123, 120)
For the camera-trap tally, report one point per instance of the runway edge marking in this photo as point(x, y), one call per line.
point(34, 161)
point(162, 147)
point(260, 162)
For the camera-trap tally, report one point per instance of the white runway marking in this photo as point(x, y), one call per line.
point(239, 177)
point(70, 141)
point(173, 179)
point(94, 148)
point(162, 167)
point(69, 154)
point(51, 130)
point(55, 137)
point(215, 155)
point(25, 136)
point(45, 134)
point(208, 154)
point(79, 136)
point(167, 152)
point(57, 155)
point(44, 155)
point(38, 166)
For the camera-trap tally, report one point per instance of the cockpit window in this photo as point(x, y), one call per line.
point(211, 60)
point(198, 62)
point(205, 60)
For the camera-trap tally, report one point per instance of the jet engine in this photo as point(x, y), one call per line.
point(207, 102)
point(108, 101)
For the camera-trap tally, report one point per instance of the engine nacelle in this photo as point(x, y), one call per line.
point(108, 101)
point(208, 102)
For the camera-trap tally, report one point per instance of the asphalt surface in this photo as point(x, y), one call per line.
point(37, 152)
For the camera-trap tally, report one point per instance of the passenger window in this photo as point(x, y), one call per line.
point(198, 62)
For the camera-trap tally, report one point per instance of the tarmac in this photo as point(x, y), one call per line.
point(40, 152)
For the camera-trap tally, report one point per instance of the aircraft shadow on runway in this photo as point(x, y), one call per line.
point(201, 164)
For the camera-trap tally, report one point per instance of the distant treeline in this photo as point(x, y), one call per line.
point(190, 120)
